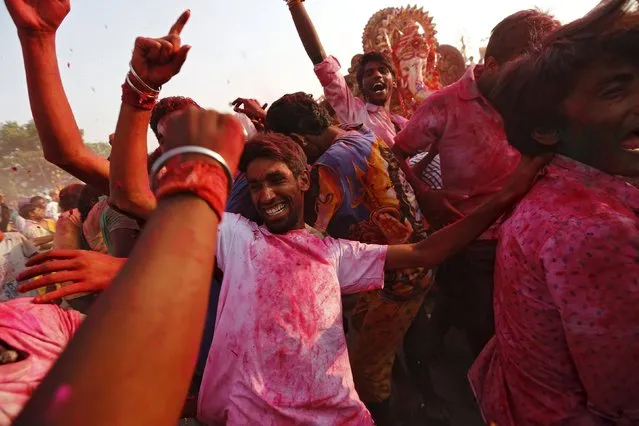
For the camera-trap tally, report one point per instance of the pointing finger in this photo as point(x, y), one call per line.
point(177, 28)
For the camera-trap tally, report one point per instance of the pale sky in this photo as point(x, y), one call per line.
point(246, 48)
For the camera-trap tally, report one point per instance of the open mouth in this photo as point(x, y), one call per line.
point(277, 211)
point(631, 142)
point(379, 87)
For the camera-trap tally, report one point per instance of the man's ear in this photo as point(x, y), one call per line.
point(546, 137)
point(299, 139)
point(304, 180)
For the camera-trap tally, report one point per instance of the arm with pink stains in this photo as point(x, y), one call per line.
point(348, 108)
point(61, 139)
point(448, 241)
point(130, 189)
point(154, 309)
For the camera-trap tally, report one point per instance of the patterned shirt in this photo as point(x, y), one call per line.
point(476, 158)
point(566, 347)
point(352, 110)
point(359, 193)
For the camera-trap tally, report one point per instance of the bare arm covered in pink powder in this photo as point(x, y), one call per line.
point(448, 241)
point(154, 310)
point(37, 23)
point(129, 184)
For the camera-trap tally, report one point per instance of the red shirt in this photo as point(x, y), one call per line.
point(566, 349)
point(475, 156)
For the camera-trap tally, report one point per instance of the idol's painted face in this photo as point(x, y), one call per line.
point(602, 115)
point(277, 194)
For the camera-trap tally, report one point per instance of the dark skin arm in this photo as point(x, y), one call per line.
point(156, 61)
point(123, 241)
point(62, 144)
point(444, 243)
point(156, 326)
point(308, 34)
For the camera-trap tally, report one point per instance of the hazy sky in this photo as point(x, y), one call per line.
point(245, 48)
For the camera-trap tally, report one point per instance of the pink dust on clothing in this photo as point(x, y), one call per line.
point(278, 356)
point(352, 110)
point(566, 347)
point(41, 332)
point(475, 156)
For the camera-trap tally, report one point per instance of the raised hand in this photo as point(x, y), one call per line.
point(157, 60)
point(219, 132)
point(38, 17)
point(85, 271)
point(252, 108)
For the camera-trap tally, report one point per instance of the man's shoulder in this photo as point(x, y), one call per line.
point(561, 202)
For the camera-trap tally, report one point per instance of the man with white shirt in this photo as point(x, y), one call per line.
point(279, 354)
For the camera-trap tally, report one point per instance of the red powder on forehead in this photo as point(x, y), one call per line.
point(14, 168)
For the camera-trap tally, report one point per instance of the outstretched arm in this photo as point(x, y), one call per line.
point(444, 243)
point(155, 62)
point(306, 30)
point(154, 309)
point(37, 23)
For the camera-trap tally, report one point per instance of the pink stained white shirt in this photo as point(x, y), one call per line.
point(352, 110)
point(566, 348)
point(278, 356)
point(39, 331)
point(474, 153)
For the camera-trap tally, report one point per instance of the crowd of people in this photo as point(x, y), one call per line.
point(272, 271)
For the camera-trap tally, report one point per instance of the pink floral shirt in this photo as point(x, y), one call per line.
point(475, 156)
point(566, 349)
point(353, 110)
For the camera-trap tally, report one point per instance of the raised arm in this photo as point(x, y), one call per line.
point(306, 30)
point(37, 24)
point(155, 325)
point(154, 63)
point(444, 243)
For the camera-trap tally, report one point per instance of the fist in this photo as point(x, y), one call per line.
point(221, 133)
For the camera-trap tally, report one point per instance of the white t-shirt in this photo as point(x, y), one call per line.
point(278, 356)
point(15, 249)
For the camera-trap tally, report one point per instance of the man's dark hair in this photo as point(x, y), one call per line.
point(297, 113)
point(38, 200)
point(88, 198)
point(277, 147)
point(530, 90)
point(167, 106)
point(373, 57)
point(70, 196)
point(518, 33)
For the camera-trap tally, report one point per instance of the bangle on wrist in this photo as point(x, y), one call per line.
point(205, 180)
point(190, 149)
point(291, 3)
point(136, 98)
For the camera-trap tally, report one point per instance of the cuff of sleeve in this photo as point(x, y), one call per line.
point(327, 69)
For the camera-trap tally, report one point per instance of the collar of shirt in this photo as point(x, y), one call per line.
point(617, 186)
point(377, 109)
point(468, 89)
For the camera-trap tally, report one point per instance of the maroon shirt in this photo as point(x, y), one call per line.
point(566, 349)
